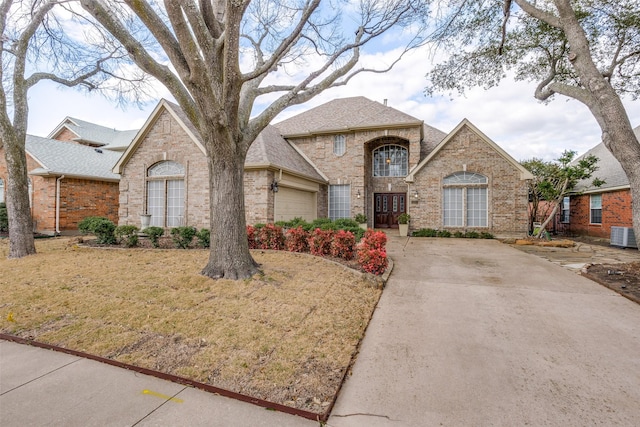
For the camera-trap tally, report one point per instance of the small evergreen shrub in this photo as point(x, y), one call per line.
point(486, 235)
point(443, 233)
point(182, 236)
point(371, 252)
point(425, 232)
point(101, 227)
point(375, 239)
point(271, 237)
point(4, 217)
point(342, 245)
point(251, 237)
point(472, 235)
point(154, 234)
point(297, 240)
point(360, 218)
point(320, 242)
point(458, 234)
point(343, 223)
point(204, 238)
point(127, 234)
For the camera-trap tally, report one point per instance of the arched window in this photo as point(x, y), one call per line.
point(165, 194)
point(1, 190)
point(465, 200)
point(390, 160)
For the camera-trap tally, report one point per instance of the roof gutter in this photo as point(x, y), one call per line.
point(60, 178)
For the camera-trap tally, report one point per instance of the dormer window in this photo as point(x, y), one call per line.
point(390, 160)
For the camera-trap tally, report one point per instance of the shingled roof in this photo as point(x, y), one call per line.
point(609, 170)
point(345, 114)
point(96, 135)
point(57, 158)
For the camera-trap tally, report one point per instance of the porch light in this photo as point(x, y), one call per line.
point(274, 186)
point(415, 194)
point(358, 194)
point(388, 160)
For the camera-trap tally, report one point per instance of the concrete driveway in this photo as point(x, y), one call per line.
point(477, 333)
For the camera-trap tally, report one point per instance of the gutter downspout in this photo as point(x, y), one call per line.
point(60, 178)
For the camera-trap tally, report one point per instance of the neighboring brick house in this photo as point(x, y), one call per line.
point(67, 182)
point(345, 157)
point(592, 211)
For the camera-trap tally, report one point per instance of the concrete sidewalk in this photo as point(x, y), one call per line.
point(45, 388)
point(477, 333)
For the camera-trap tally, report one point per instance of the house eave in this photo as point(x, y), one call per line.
point(601, 190)
point(276, 168)
point(353, 129)
point(53, 174)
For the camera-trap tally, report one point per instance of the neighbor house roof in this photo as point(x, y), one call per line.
point(269, 150)
point(609, 170)
point(345, 114)
point(524, 173)
point(57, 158)
point(95, 135)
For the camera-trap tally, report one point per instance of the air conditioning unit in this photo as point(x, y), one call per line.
point(623, 237)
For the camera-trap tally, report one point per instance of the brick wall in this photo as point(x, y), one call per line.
point(167, 140)
point(354, 167)
point(507, 193)
point(65, 135)
point(616, 211)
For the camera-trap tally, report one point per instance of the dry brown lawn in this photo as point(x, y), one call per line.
point(286, 336)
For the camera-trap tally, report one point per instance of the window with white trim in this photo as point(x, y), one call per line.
point(339, 145)
point(339, 201)
point(595, 207)
point(465, 200)
point(390, 160)
point(564, 214)
point(165, 194)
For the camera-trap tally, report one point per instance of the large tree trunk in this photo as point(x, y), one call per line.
point(21, 241)
point(229, 256)
point(606, 106)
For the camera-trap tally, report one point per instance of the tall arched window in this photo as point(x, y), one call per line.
point(165, 194)
point(1, 190)
point(390, 160)
point(465, 200)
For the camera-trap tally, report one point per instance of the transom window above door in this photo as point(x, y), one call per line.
point(390, 160)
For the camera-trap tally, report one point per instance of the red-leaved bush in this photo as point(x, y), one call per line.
point(372, 253)
point(251, 237)
point(342, 245)
point(297, 240)
point(271, 237)
point(320, 242)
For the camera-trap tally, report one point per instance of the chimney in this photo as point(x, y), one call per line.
point(385, 102)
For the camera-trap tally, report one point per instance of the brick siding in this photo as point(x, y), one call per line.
point(616, 211)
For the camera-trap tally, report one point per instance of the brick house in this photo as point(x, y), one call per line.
point(592, 211)
point(345, 157)
point(67, 182)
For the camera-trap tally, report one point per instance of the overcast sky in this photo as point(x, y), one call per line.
point(508, 114)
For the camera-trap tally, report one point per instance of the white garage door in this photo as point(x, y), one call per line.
point(292, 203)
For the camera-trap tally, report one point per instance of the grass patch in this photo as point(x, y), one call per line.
point(286, 336)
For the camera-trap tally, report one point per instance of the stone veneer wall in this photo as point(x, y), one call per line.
point(507, 193)
point(354, 167)
point(167, 140)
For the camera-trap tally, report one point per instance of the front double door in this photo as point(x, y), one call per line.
point(388, 206)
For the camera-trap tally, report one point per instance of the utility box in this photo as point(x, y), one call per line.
point(623, 237)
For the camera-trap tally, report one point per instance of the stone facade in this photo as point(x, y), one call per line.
point(468, 151)
point(355, 166)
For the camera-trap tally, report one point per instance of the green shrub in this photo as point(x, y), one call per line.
point(425, 232)
point(154, 234)
point(204, 238)
point(360, 218)
point(127, 234)
point(259, 226)
point(99, 226)
point(344, 223)
point(4, 217)
point(443, 233)
point(472, 235)
point(182, 236)
point(486, 235)
point(458, 234)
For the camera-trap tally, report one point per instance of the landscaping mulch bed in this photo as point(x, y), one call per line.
point(622, 278)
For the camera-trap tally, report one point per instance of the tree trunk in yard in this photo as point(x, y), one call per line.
point(606, 106)
point(21, 242)
point(228, 223)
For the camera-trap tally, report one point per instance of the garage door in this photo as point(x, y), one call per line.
point(292, 203)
